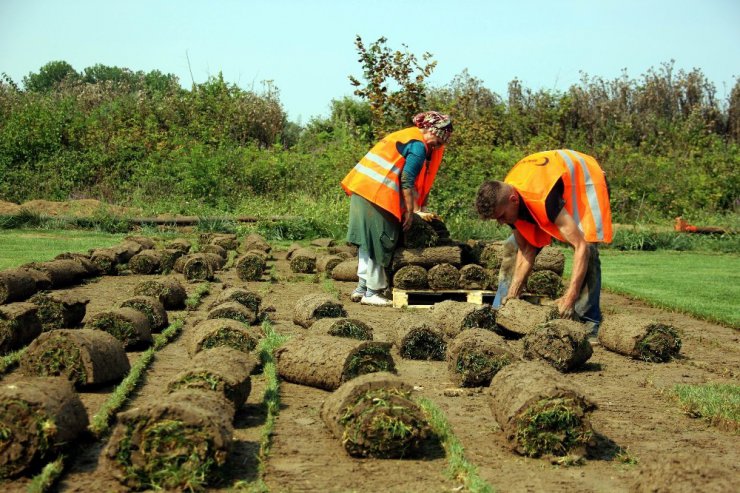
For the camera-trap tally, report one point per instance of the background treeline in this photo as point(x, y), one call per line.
point(668, 142)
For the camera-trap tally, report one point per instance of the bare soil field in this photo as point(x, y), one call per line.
point(637, 419)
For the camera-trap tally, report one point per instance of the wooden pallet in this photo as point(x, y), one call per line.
point(426, 298)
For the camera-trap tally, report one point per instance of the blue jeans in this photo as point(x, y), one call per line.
point(587, 305)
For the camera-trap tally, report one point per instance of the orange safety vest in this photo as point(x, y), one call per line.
point(377, 177)
point(585, 194)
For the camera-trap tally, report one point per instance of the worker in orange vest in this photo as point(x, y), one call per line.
point(560, 194)
point(389, 184)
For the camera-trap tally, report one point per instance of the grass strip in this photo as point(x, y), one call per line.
point(271, 401)
point(10, 361)
point(458, 467)
point(716, 402)
point(100, 423)
point(48, 476)
point(194, 300)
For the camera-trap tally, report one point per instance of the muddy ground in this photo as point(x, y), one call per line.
point(637, 414)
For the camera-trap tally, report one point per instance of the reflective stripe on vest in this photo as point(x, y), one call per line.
point(585, 194)
point(377, 177)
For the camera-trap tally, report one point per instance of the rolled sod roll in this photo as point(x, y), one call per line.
point(168, 290)
point(125, 250)
point(235, 311)
point(255, 241)
point(145, 242)
point(82, 259)
point(411, 277)
point(62, 273)
point(561, 343)
point(540, 411)
point(219, 332)
point(291, 250)
point(426, 257)
point(174, 443)
point(492, 255)
point(550, 258)
point(179, 263)
point(443, 276)
point(314, 306)
point(221, 369)
point(19, 325)
point(59, 310)
point(128, 325)
point(181, 244)
point(351, 250)
point(247, 298)
point(218, 250)
point(152, 308)
point(420, 234)
point(106, 260)
point(545, 283)
point(343, 327)
point(474, 356)
point(452, 317)
point(169, 257)
point(326, 263)
point(327, 362)
point(217, 261)
point(521, 317)
point(374, 415)
point(323, 242)
point(198, 267)
point(16, 285)
point(249, 267)
point(346, 271)
point(227, 241)
point(38, 416)
point(303, 261)
point(83, 356)
point(639, 338)
point(419, 338)
point(146, 262)
point(474, 276)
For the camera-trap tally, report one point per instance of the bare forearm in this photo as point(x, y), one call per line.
point(524, 264)
point(580, 265)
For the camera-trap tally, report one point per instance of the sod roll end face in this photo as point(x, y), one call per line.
point(37, 417)
point(178, 442)
point(540, 411)
point(375, 415)
point(640, 338)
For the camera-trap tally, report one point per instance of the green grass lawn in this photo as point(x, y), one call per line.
point(706, 285)
point(19, 246)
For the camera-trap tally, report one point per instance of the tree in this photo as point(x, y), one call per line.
point(49, 76)
point(394, 84)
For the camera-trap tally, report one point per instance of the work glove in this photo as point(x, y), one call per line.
point(427, 216)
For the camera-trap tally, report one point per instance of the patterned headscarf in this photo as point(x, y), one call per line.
point(437, 123)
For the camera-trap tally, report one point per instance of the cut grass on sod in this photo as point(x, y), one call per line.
point(718, 403)
point(705, 285)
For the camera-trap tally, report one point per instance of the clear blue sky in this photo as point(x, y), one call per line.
point(307, 47)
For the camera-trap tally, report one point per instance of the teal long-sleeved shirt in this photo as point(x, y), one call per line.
point(416, 155)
